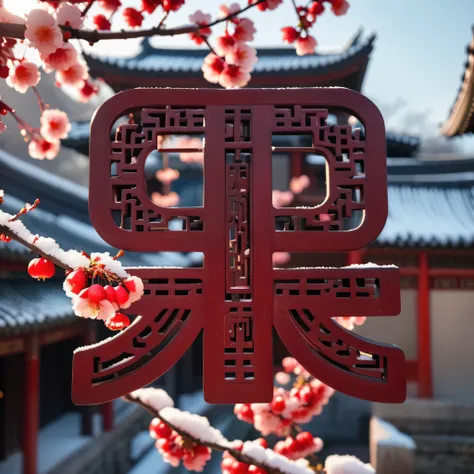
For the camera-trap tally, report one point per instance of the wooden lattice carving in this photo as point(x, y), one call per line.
point(236, 297)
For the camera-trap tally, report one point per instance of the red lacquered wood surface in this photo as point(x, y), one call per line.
point(237, 297)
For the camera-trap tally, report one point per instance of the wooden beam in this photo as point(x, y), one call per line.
point(425, 389)
point(411, 370)
point(31, 405)
point(87, 412)
point(57, 335)
point(355, 257)
point(296, 164)
point(10, 346)
point(107, 410)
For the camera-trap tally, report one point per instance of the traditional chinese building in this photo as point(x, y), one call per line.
point(461, 117)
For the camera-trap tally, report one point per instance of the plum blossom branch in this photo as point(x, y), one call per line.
point(14, 30)
point(223, 446)
point(8, 232)
point(88, 7)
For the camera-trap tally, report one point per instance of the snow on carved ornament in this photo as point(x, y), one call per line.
point(236, 297)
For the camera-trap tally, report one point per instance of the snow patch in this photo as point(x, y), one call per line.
point(270, 458)
point(155, 397)
point(387, 435)
point(346, 464)
point(366, 266)
point(197, 426)
point(111, 265)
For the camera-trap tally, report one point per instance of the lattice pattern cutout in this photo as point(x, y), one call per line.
point(345, 155)
point(237, 296)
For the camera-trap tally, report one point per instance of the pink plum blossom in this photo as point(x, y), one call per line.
point(39, 148)
point(23, 75)
point(282, 378)
point(225, 10)
point(267, 5)
point(74, 75)
point(212, 68)
point(349, 322)
point(69, 15)
point(3, 127)
point(200, 18)
point(243, 56)
point(224, 44)
point(54, 124)
point(299, 183)
point(135, 288)
point(42, 32)
point(305, 45)
point(87, 91)
point(281, 198)
point(61, 59)
point(167, 175)
point(339, 7)
point(233, 77)
point(165, 200)
point(244, 30)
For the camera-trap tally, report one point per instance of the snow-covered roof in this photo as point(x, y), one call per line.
point(420, 215)
point(26, 304)
point(189, 60)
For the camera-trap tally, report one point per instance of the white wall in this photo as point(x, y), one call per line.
point(399, 330)
point(452, 344)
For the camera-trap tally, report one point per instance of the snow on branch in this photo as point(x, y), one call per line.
point(196, 430)
point(44, 246)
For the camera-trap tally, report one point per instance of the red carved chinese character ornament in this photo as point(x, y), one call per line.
point(236, 297)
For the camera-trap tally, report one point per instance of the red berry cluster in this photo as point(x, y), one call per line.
point(300, 447)
point(230, 465)
point(175, 449)
point(102, 302)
